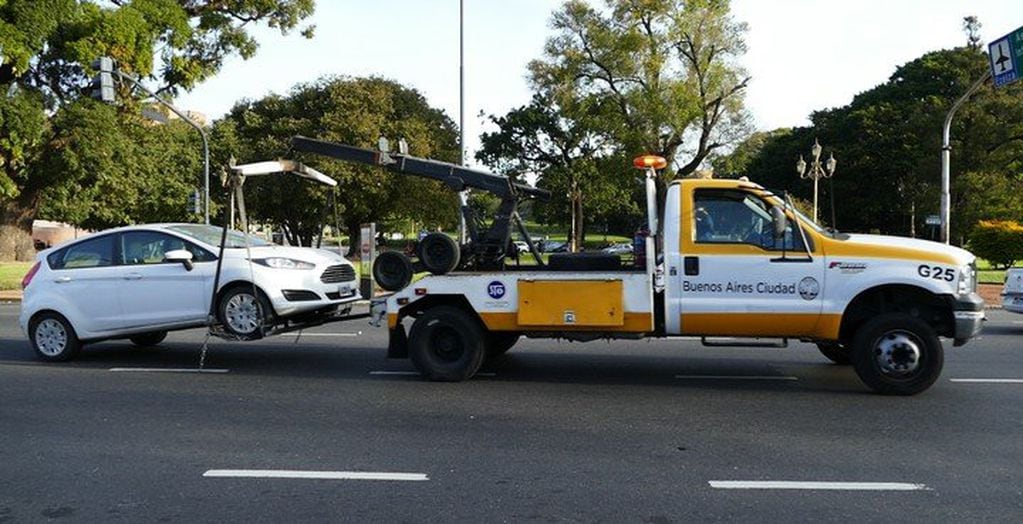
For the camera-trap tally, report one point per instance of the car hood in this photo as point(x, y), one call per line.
point(866, 244)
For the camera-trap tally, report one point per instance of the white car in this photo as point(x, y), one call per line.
point(140, 282)
point(1012, 292)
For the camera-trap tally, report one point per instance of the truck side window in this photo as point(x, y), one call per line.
point(729, 216)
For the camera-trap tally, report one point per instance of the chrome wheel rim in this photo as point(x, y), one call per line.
point(51, 337)
point(242, 313)
point(897, 353)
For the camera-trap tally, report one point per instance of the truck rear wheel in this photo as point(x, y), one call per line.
point(447, 344)
point(897, 354)
point(499, 342)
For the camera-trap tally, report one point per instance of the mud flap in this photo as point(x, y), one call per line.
point(397, 344)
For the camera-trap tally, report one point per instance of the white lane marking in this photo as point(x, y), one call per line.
point(416, 373)
point(313, 475)
point(735, 377)
point(332, 334)
point(169, 370)
point(988, 380)
point(790, 484)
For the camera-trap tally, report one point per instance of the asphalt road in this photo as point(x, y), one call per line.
point(621, 432)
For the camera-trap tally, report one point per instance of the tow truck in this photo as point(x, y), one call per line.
point(727, 261)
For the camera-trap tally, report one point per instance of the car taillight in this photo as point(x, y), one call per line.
point(28, 276)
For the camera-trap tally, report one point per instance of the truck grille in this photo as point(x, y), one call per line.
point(338, 273)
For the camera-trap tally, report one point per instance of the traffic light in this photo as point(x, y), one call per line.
point(103, 82)
point(194, 201)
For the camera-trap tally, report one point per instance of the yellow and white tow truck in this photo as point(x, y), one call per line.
point(728, 261)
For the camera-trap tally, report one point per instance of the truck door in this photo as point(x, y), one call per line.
point(733, 279)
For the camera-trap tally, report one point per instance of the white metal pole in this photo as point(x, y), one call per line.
point(816, 178)
point(463, 196)
point(946, 153)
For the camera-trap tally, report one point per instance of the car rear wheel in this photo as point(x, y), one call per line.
point(53, 338)
point(244, 312)
point(148, 339)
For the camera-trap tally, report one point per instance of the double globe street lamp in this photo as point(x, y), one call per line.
point(817, 172)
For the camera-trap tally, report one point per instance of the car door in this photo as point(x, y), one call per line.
point(157, 292)
point(87, 280)
point(736, 279)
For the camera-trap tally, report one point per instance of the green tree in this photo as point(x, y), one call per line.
point(888, 140)
point(45, 46)
point(351, 111)
point(565, 155)
point(656, 76)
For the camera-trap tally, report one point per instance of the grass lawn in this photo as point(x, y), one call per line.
point(11, 274)
point(987, 275)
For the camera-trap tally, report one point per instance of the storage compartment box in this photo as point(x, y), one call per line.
point(571, 303)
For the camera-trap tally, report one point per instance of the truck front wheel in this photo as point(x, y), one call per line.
point(897, 354)
point(447, 344)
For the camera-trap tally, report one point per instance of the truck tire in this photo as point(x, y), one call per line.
point(499, 342)
point(392, 270)
point(447, 344)
point(835, 352)
point(897, 354)
point(439, 253)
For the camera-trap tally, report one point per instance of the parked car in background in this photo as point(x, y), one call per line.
point(521, 246)
point(618, 249)
point(1012, 291)
point(140, 282)
point(552, 246)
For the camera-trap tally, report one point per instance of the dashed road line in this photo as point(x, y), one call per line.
point(988, 380)
point(790, 484)
point(169, 370)
point(736, 377)
point(356, 334)
point(313, 475)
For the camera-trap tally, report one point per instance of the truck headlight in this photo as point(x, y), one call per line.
point(968, 279)
point(283, 263)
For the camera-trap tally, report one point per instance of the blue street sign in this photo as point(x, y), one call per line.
point(1006, 56)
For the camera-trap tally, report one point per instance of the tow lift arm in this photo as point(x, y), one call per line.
point(488, 245)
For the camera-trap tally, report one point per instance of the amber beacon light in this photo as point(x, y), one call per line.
point(650, 161)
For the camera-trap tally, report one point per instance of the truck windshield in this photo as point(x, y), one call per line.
point(805, 220)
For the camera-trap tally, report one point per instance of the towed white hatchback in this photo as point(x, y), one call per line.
point(139, 282)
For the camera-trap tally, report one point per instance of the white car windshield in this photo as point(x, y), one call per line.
point(211, 235)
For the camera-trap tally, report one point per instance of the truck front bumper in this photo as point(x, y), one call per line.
point(969, 318)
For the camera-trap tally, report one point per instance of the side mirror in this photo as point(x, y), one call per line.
point(180, 255)
point(780, 222)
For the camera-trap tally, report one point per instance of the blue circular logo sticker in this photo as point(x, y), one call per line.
point(495, 289)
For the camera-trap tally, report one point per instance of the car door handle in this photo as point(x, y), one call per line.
point(133, 276)
point(62, 280)
point(691, 266)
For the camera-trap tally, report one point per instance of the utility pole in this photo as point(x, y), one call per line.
point(463, 196)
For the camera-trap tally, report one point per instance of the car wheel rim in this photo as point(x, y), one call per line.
point(51, 337)
point(898, 354)
point(242, 313)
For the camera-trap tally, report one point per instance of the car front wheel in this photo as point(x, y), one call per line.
point(53, 338)
point(244, 312)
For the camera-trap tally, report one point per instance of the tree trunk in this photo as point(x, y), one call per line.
point(16, 230)
point(577, 225)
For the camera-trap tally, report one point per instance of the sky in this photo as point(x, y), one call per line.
point(803, 55)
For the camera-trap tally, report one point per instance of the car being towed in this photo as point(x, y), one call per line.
point(139, 282)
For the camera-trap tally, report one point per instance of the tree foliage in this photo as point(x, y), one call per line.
point(351, 111)
point(46, 47)
point(998, 241)
point(888, 142)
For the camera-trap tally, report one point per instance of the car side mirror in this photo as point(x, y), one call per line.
point(780, 222)
point(180, 255)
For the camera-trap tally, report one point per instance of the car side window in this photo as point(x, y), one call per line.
point(97, 252)
point(729, 216)
point(151, 247)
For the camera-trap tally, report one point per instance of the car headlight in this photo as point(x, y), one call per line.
point(283, 263)
point(968, 279)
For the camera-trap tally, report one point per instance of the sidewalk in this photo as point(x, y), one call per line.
point(10, 296)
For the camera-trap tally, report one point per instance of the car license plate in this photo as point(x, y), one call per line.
point(345, 292)
point(1017, 301)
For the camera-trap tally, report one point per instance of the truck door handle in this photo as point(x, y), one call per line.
point(691, 266)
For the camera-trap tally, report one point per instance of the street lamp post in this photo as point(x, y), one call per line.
point(817, 172)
